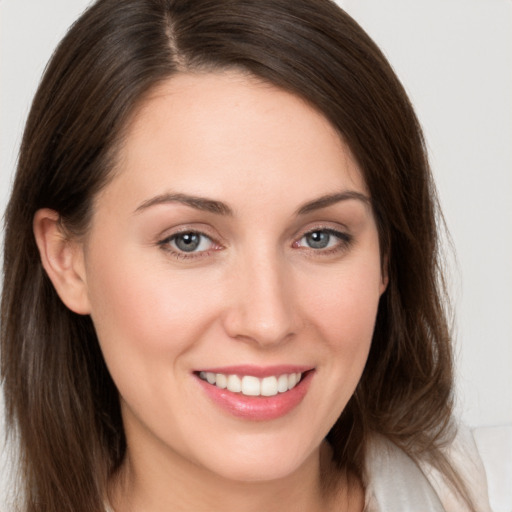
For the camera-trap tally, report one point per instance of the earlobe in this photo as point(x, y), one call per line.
point(62, 259)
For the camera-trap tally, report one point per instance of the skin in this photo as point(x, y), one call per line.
point(254, 292)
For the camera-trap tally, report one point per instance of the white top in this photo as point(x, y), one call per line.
point(395, 483)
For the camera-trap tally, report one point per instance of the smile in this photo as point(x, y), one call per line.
point(256, 393)
point(250, 385)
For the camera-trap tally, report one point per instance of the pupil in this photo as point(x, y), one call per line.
point(187, 242)
point(318, 239)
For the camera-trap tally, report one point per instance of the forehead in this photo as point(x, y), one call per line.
point(215, 132)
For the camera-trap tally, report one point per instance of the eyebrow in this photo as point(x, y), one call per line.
point(199, 203)
point(330, 199)
point(220, 208)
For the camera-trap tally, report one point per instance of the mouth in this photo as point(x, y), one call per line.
point(254, 393)
point(250, 385)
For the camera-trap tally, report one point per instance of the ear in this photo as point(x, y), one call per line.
point(62, 259)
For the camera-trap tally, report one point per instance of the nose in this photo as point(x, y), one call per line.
point(261, 302)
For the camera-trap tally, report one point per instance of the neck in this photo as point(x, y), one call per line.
point(157, 484)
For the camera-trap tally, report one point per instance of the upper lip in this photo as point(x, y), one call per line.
point(258, 371)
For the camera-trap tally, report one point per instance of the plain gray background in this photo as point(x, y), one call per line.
point(455, 59)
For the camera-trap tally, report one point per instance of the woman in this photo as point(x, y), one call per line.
point(223, 237)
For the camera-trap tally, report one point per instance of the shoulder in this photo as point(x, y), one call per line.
point(393, 481)
point(396, 482)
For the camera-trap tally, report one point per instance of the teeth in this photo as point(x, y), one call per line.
point(234, 384)
point(253, 386)
point(221, 381)
point(269, 386)
point(282, 383)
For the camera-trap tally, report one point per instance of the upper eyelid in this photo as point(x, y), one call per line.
point(184, 232)
point(180, 230)
point(173, 236)
point(164, 244)
point(343, 236)
point(323, 226)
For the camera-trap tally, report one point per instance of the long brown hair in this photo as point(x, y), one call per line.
point(61, 403)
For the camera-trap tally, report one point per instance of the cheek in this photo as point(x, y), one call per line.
point(340, 308)
point(143, 313)
point(343, 309)
point(343, 304)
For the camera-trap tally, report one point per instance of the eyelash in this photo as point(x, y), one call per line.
point(344, 241)
point(183, 255)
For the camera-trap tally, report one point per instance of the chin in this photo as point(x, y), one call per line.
point(259, 472)
point(256, 464)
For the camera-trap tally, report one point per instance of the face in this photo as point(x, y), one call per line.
point(233, 254)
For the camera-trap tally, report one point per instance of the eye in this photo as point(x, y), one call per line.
point(188, 242)
point(324, 239)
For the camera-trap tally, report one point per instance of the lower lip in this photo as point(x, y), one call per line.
point(258, 408)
